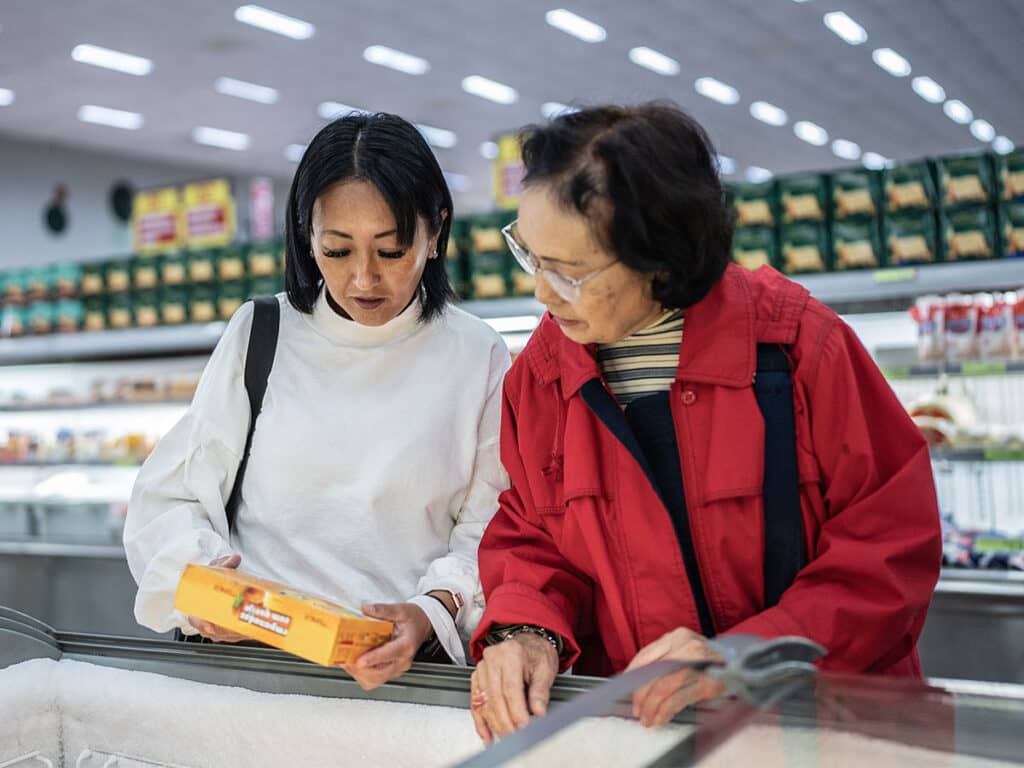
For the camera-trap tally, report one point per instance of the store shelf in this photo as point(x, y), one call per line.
point(88, 406)
point(58, 549)
point(986, 583)
point(977, 454)
point(109, 345)
point(67, 464)
point(931, 371)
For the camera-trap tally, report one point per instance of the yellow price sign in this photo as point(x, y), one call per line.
point(508, 172)
point(155, 220)
point(208, 214)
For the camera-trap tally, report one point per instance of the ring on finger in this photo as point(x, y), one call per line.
point(477, 699)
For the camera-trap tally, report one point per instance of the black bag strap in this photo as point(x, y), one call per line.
point(783, 521)
point(259, 359)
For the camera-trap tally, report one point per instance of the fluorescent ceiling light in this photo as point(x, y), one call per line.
point(958, 112)
point(294, 152)
point(491, 90)
point(847, 150)
point(875, 161)
point(437, 137)
point(716, 90)
point(768, 113)
point(891, 62)
point(457, 182)
point(115, 118)
point(243, 90)
point(489, 150)
point(403, 62)
point(648, 58)
point(811, 133)
point(1003, 145)
point(757, 174)
point(272, 21)
point(329, 110)
point(108, 59)
point(929, 90)
point(726, 165)
point(552, 109)
point(574, 25)
point(217, 137)
point(982, 130)
point(848, 29)
point(6, 97)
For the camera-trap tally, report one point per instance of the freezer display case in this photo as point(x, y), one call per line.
point(90, 701)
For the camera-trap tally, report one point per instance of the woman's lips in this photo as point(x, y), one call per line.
point(368, 304)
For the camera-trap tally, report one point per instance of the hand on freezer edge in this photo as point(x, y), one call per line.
point(512, 681)
point(412, 630)
point(658, 702)
point(212, 631)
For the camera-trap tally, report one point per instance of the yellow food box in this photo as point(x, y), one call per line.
point(277, 615)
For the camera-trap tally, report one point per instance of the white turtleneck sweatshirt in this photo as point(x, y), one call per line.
point(373, 472)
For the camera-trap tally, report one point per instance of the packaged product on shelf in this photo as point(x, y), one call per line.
point(856, 194)
point(173, 269)
point(488, 272)
point(68, 280)
point(522, 283)
point(174, 305)
point(804, 248)
point(261, 260)
point(1016, 302)
point(487, 239)
point(909, 187)
point(1010, 172)
point(230, 297)
point(911, 238)
point(803, 197)
point(929, 312)
point(1011, 217)
point(68, 315)
point(961, 328)
point(93, 282)
point(15, 284)
point(119, 310)
point(147, 309)
point(13, 320)
point(181, 386)
point(146, 273)
point(265, 286)
point(756, 205)
point(203, 304)
point(230, 263)
point(969, 233)
point(314, 629)
point(202, 267)
point(755, 247)
point(943, 417)
point(137, 390)
point(40, 284)
point(119, 275)
point(94, 316)
point(857, 244)
point(995, 326)
point(40, 317)
point(965, 179)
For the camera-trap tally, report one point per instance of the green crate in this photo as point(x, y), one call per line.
point(965, 180)
point(755, 205)
point(1011, 228)
point(857, 245)
point(13, 320)
point(261, 259)
point(803, 198)
point(146, 273)
point(146, 308)
point(231, 264)
point(202, 304)
point(93, 282)
point(202, 267)
point(911, 237)
point(1010, 175)
point(15, 286)
point(856, 194)
point(69, 315)
point(804, 248)
point(68, 280)
point(120, 311)
point(117, 275)
point(174, 269)
point(969, 234)
point(909, 187)
point(40, 283)
point(94, 316)
point(174, 305)
point(755, 247)
point(40, 317)
point(230, 297)
point(265, 286)
point(489, 260)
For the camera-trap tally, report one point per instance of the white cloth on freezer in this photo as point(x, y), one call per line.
point(373, 472)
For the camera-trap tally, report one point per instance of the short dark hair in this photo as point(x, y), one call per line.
point(655, 168)
point(390, 153)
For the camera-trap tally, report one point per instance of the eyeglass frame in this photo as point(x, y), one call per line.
point(531, 265)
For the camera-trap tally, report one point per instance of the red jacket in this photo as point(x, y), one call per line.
point(583, 545)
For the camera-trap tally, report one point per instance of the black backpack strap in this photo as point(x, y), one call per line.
point(783, 521)
point(259, 359)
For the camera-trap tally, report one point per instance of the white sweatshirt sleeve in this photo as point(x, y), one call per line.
point(458, 570)
point(176, 514)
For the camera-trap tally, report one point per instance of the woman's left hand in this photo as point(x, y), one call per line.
point(658, 702)
point(412, 629)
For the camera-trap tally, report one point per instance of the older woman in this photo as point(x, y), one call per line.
point(646, 513)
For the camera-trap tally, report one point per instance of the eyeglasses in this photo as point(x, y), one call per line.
point(566, 287)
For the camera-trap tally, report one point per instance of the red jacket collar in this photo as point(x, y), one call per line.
point(720, 341)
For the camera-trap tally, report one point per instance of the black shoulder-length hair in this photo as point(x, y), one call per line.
point(646, 177)
point(390, 153)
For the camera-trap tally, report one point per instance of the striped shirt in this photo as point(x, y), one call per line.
point(646, 362)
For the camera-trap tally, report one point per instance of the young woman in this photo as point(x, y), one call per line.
point(374, 465)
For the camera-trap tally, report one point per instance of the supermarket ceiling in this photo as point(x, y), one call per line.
point(774, 51)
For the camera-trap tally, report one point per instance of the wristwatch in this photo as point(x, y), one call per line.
point(503, 633)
